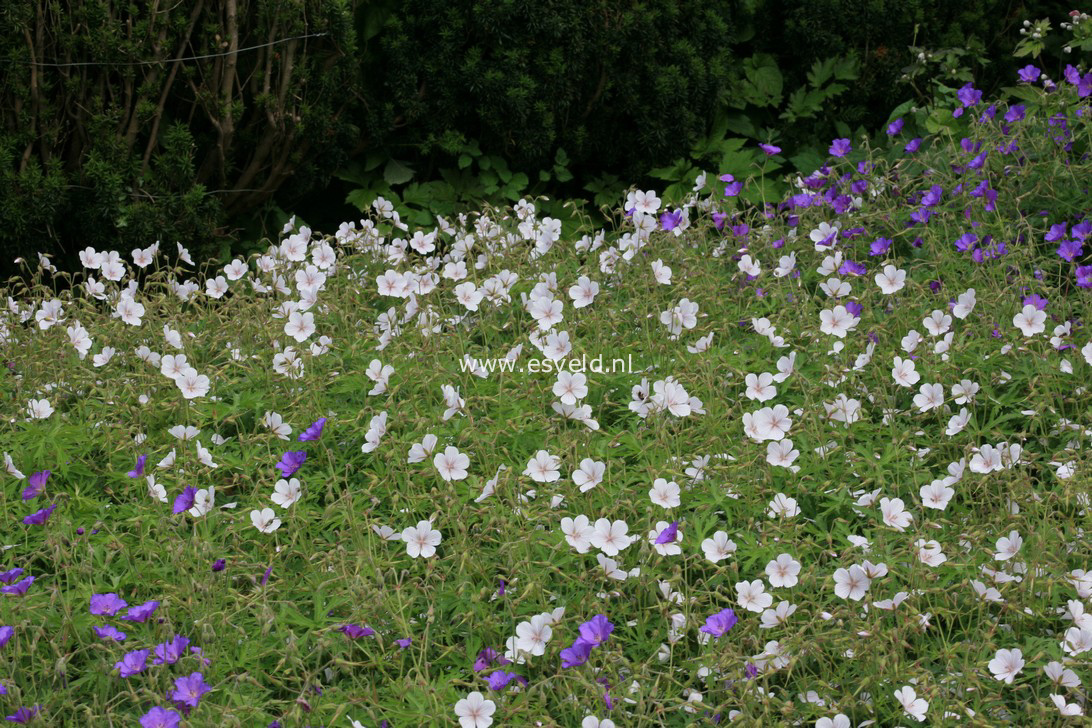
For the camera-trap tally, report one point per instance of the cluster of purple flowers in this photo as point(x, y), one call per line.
point(593, 633)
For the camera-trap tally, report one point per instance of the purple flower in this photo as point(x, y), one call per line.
point(854, 308)
point(895, 127)
point(576, 655)
point(38, 518)
point(356, 631)
point(880, 246)
point(1016, 113)
point(160, 718)
point(770, 149)
point(968, 95)
point(718, 220)
point(107, 604)
point(404, 642)
point(133, 662)
point(596, 630)
point(669, 534)
point(1035, 300)
point(19, 588)
point(1056, 233)
point(913, 145)
point(291, 461)
point(933, 196)
point(1070, 250)
point(840, 147)
point(499, 679)
point(669, 221)
point(487, 657)
point(6, 633)
point(109, 633)
point(142, 612)
point(500, 588)
point(171, 651)
point(218, 565)
point(965, 242)
point(35, 485)
point(852, 268)
point(1082, 229)
point(139, 469)
point(1029, 74)
point(6, 577)
point(266, 575)
point(24, 715)
point(184, 501)
point(188, 690)
point(718, 624)
point(313, 432)
point(1084, 276)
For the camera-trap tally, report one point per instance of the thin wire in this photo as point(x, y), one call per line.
point(50, 64)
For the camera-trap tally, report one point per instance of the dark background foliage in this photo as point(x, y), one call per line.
point(130, 140)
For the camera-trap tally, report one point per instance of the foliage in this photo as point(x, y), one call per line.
point(115, 135)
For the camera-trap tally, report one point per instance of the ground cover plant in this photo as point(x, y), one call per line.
point(832, 470)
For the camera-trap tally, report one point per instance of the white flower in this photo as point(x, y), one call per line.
point(895, 514)
point(1008, 546)
point(783, 571)
point(570, 387)
point(665, 493)
point(661, 272)
point(451, 464)
point(532, 636)
point(39, 409)
point(937, 323)
point(781, 454)
point(904, 373)
point(610, 538)
point(936, 495)
point(578, 533)
point(300, 325)
point(421, 451)
point(204, 456)
point(838, 721)
point(468, 295)
point(890, 280)
point(752, 596)
point(474, 711)
point(930, 396)
point(837, 321)
point(719, 547)
point(957, 423)
point(192, 384)
point(156, 490)
point(583, 292)
point(286, 492)
point(589, 474)
point(276, 423)
point(768, 423)
point(543, 467)
point(593, 722)
point(421, 540)
point(851, 583)
point(760, 386)
point(1030, 320)
point(782, 506)
point(1061, 675)
point(203, 501)
point(1006, 665)
point(1064, 708)
point(964, 304)
point(930, 553)
point(265, 520)
point(986, 460)
point(914, 706)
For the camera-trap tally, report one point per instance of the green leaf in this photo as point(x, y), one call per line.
point(397, 173)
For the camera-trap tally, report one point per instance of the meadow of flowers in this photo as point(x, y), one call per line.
point(846, 484)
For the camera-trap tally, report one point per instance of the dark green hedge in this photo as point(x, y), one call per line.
point(108, 139)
